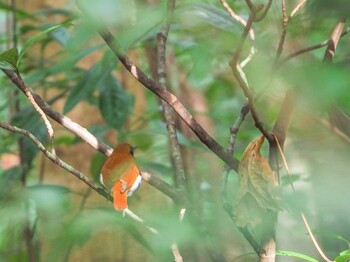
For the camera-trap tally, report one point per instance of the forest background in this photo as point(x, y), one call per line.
point(192, 84)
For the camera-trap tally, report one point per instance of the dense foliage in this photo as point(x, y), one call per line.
point(46, 214)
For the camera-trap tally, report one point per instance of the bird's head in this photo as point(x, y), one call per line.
point(124, 149)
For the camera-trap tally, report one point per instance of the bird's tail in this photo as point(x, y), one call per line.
point(120, 196)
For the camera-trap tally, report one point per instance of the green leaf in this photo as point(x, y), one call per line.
point(92, 81)
point(34, 39)
point(295, 254)
point(65, 65)
point(115, 104)
point(343, 258)
point(49, 197)
point(345, 252)
point(85, 87)
point(8, 59)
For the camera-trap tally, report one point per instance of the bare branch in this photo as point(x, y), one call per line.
point(311, 48)
point(266, 10)
point(235, 127)
point(175, 151)
point(283, 32)
point(170, 98)
point(313, 239)
point(237, 72)
point(285, 22)
point(237, 17)
point(55, 159)
point(14, 76)
point(296, 9)
point(333, 43)
point(90, 139)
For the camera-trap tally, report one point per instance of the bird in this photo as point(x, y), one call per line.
point(120, 175)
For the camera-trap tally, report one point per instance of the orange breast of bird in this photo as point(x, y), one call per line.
point(121, 175)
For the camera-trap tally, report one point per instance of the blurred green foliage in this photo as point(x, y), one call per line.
point(201, 42)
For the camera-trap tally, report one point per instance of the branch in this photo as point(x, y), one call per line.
point(296, 9)
point(237, 72)
point(333, 43)
point(90, 139)
point(175, 151)
point(283, 32)
point(244, 23)
point(170, 98)
point(163, 187)
point(15, 76)
point(311, 48)
point(55, 159)
point(235, 128)
point(237, 17)
point(266, 10)
point(286, 20)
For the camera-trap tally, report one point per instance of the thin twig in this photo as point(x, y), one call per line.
point(55, 159)
point(230, 148)
point(311, 48)
point(296, 9)
point(332, 128)
point(266, 10)
point(227, 206)
point(140, 220)
point(285, 22)
point(284, 162)
point(244, 23)
point(314, 241)
point(28, 92)
point(237, 72)
point(235, 127)
point(237, 17)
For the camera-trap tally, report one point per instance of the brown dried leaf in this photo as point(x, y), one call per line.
point(258, 188)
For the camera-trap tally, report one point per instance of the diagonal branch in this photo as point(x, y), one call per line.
point(170, 98)
point(55, 159)
point(28, 93)
point(90, 139)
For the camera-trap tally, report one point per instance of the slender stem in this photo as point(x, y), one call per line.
point(266, 10)
point(284, 31)
point(175, 151)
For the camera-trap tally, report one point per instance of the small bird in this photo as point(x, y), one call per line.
point(121, 175)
